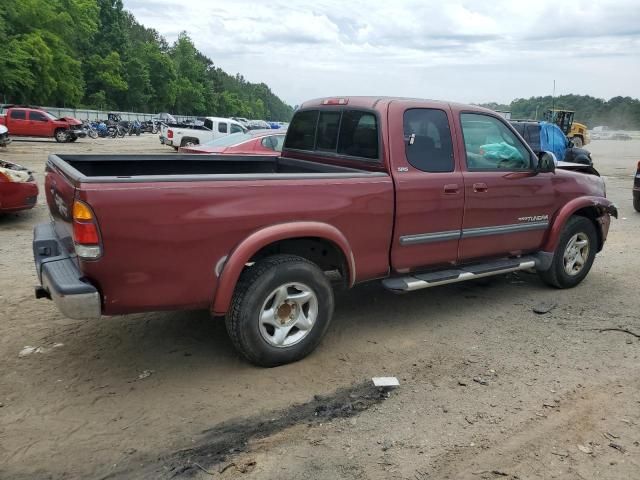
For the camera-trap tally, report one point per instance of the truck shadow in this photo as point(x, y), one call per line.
point(179, 342)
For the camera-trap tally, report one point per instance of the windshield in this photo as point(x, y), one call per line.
point(229, 140)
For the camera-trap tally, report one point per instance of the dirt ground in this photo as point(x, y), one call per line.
point(488, 388)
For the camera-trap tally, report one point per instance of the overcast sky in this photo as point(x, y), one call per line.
point(467, 51)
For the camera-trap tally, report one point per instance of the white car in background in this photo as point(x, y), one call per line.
point(212, 128)
point(4, 136)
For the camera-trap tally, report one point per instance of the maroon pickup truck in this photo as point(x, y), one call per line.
point(415, 193)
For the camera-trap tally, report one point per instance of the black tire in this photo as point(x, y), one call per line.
point(72, 138)
point(61, 135)
point(189, 142)
point(636, 202)
point(254, 289)
point(557, 276)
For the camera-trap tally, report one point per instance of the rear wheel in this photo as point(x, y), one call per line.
point(61, 135)
point(281, 309)
point(72, 138)
point(574, 254)
point(636, 202)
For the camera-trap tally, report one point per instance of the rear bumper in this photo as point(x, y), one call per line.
point(60, 279)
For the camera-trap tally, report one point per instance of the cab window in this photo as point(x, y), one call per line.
point(37, 117)
point(490, 145)
point(222, 127)
point(427, 140)
point(236, 128)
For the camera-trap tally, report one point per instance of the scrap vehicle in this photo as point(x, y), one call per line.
point(209, 128)
point(253, 142)
point(577, 132)
point(4, 136)
point(28, 121)
point(413, 193)
point(545, 136)
point(18, 188)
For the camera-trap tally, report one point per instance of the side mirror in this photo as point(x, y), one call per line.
point(546, 162)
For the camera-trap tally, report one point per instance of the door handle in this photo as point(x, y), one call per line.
point(480, 187)
point(451, 188)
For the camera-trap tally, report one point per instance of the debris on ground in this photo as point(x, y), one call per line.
point(585, 449)
point(28, 350)
point(623, 330)
point(618, 447)
point(386, 382)
point(480, 380)
point(544, 307)
point(145, 374)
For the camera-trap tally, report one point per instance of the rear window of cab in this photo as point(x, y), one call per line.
point(352, 133)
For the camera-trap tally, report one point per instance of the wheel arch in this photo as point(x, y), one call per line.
point(318, 242)
point(593, 208)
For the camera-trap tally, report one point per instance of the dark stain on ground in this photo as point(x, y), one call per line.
point(219, 443)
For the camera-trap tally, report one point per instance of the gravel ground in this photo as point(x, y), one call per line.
point(488, 388)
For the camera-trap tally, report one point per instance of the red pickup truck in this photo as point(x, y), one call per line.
point(415, 193)
point(36, 122)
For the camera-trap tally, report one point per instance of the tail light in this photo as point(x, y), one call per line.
point(85, 231)
point(169, 133)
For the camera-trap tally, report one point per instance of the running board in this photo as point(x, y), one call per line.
point(418, 281)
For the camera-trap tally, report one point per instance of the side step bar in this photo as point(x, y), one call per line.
point(418, 281)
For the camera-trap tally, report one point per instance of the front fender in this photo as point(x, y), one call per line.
point(244, 251)
point(603, 206)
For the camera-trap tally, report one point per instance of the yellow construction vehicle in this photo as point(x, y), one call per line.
point(577, 132)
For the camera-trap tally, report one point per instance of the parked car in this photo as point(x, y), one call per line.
point(23, 121)
point(636, 189)
point(410, 192)
point(18, 188)
point(253, 142)
point(36, 122)
point(257, 125)
point(212, 128)
point(4, 136)
point(544, 136)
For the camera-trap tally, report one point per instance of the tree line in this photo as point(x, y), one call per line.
point(618, 113)
point(94, 54)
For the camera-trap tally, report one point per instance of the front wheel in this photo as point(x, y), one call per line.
point(574, 254)
point(61, 135)
point(281, 310)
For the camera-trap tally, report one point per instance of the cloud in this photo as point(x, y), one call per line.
point(463, 50)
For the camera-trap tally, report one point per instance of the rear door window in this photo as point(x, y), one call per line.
point(19, 114)
point(427, 139)
point(222, 127)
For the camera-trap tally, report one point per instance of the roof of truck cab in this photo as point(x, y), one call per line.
point(222, 119)
point(380, 101)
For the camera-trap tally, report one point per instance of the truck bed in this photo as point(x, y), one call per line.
point(140, 168)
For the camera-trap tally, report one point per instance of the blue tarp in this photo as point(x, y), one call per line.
point(553, 140)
